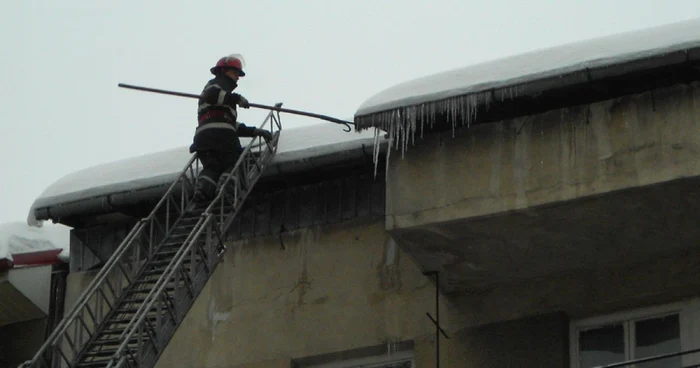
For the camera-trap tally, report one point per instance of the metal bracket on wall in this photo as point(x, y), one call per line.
point(436, 320)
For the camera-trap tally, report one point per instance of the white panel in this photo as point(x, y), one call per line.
point(34, 283)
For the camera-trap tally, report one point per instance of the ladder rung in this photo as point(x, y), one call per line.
point(177, 243)
point(108, 342)
point(120, 321)
point(133, 300)
point(145, 282)
point(169, 245)
point(193, 217)
point(145, 291)
point(161, 263)
point(157, 271)
point(169, 252)
point(93, 364)
point(115, 330)
point(101, 353)
point(181, 230)
point(160, 271)
point(178, 235)
point(128, 310)
point(109, 334)
point(186, 223)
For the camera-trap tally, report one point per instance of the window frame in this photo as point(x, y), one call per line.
point(688, 315)
point(385, 358)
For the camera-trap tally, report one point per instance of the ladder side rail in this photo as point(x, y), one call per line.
point(155, 233)
point(169, 269)
point(242, 170)
point(172, 264)
point(193, 237)
point(274, 128)
point(240, 196)
point(218, 199)
point(265, 153)
point(158, 289)
point(96, 291)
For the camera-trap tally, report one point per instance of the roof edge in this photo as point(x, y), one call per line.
point(473, 98)
point(105, 201)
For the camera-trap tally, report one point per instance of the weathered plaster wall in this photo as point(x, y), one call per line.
point(317, 291)
point(76, 283)
point(335, 288)
point(541, 341)
point(546, 158)
point(606, 289)
point(332, 289)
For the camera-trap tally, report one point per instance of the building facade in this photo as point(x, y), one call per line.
point(557, 229)
point(33, 273)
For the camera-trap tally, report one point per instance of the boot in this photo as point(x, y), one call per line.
point(229, 191)
point(199, 197)
point(203, 191)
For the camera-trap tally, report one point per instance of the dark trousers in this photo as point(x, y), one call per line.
point(216, 166)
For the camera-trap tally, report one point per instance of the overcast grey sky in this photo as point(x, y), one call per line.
point(61, 109)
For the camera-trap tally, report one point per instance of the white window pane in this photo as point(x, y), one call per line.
point(658, 336)
point(602, 346)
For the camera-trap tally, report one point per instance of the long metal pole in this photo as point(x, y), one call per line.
point(437, 318)
point(259, 106)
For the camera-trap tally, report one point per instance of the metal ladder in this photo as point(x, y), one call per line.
point(132, 308)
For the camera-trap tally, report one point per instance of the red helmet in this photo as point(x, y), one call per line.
point(231, 61)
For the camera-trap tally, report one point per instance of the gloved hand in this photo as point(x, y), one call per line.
point(243, 102)
point(267, 136)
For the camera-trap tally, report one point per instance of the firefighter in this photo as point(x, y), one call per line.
point(216, 137)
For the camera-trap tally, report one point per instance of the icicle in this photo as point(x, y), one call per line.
point(388, 152)
point(401, 124)
point(411, 131)
point(375, 152)
point(422, 118)
point(414, 121)
point(453, 112)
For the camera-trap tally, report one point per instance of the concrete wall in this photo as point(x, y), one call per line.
point(34, 283)
point(316, 291)
point(334, 289)
point(20, 341)
point(76, 283)
point(331, 290)
point(15, 306)
point(541, 341)
point(550, 157)
point(580, 294)
point(276, 302)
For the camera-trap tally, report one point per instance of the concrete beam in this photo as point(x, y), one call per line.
point(552, 157)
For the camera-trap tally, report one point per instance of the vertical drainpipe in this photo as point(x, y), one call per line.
point(57, 299)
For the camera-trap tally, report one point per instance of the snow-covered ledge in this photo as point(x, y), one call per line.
point(403, 110)
point(26, 258)
point(18, 240)
point(96, 189)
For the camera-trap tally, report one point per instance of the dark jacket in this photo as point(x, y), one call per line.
point(218, 127)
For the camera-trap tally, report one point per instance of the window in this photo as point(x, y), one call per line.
point(634, 335)
point(400, 359)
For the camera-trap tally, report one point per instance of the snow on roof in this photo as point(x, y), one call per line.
point(18, 238)
point(402, 110)
point(532, 66)
point(163, 167)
